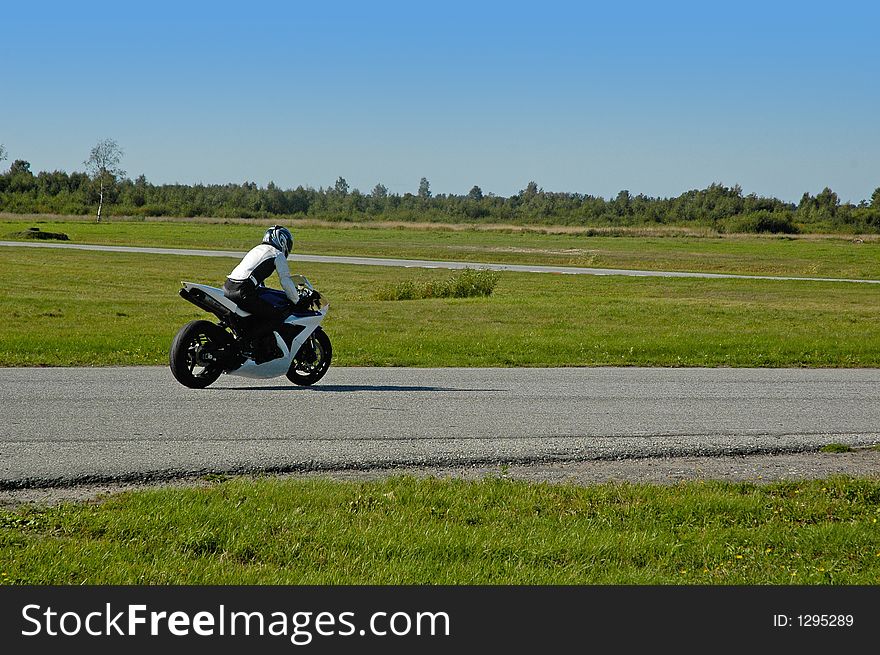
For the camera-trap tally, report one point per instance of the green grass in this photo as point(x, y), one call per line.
point(88, 308)
point(467, 284)
point(836, 257)
point(430, 531)
point(836, 448)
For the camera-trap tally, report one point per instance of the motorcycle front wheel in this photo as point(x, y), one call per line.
point(312, 360)
point(195, 357)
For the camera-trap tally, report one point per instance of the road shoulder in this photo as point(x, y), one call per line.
point(756, 469)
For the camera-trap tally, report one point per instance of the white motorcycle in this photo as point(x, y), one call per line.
point(202, 351)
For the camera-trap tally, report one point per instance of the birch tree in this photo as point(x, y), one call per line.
point(103, 167)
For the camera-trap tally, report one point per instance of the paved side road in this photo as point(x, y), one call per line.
point(64, 426)
point(425, 263)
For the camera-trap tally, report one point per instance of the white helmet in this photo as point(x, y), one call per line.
point(280, 238)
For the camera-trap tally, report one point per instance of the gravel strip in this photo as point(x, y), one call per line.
point(758, 469)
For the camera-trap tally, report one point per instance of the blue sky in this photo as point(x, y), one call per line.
point(657, 98)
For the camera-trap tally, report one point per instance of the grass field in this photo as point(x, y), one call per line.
point(89, 308)
point(432, 531)
point(837, 257)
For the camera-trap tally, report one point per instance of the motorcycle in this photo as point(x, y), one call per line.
point(202, 351)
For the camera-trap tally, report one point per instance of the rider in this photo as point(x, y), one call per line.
point(243, 286)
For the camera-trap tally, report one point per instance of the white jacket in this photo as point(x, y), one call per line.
point(259, 263)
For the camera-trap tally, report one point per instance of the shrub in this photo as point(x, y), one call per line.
point(154, 210)
point(836, 448)
point(469, 283)
point(763, 221)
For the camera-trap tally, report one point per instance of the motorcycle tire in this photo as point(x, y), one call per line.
point(312, 360)
point(194, 359)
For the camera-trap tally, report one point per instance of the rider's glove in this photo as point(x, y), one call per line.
point(307, 297)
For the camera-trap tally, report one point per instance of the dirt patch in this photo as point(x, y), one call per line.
point(757, 469)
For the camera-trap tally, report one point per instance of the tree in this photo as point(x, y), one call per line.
point(875, 198)
point(341, 186)
point(424, 189)
point(827, 202)
point(806, 202)
point(139, 191)
point(103, 167)
point(273, 200)
point(2, 152)
point(20, 167)
point(378, 198)
point(476, 193)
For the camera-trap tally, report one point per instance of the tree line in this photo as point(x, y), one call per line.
point(719, 207)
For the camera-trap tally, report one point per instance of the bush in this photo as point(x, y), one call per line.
point(468, 284)
point(763, 221)
point(154, 210)
point(836, 448)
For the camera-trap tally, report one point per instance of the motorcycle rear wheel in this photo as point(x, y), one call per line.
point(194, 357)
point(312, 360)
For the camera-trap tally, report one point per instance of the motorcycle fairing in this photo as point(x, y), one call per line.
point(202, 294)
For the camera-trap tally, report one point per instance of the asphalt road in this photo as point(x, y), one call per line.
point(426, 263)
point(61, 426)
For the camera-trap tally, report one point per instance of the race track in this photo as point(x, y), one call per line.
point(63, 426)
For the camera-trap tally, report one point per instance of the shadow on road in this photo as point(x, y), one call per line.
point(346, 388)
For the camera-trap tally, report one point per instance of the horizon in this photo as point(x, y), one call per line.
point(780, 98)
point(353, 189)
